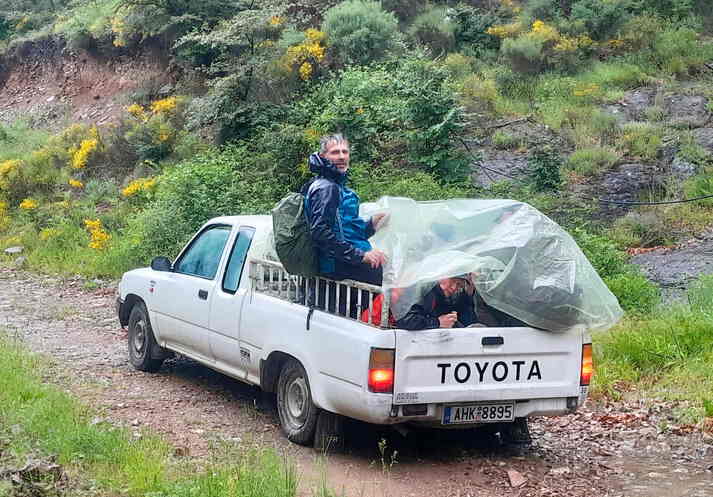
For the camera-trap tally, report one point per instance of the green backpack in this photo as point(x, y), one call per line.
point(293, 241)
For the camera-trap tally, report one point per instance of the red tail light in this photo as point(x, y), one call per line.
point(381, 371)
point(587, 365)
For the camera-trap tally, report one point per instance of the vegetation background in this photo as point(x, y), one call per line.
point(417, 86)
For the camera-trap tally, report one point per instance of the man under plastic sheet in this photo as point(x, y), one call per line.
point(453, 303)
point(524, 264)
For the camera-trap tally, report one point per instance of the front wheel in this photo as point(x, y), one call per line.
point(298, 414)
point(144, 353)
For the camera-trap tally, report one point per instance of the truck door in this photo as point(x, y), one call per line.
point(226, 307)
point(183, 298)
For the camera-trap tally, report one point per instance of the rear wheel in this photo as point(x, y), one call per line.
point(144, 352)
point(298, 414)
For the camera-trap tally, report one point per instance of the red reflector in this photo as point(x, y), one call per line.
point(587, 365)
point(381, 380)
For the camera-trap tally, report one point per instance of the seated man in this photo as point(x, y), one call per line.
point(449, 304)
point(454, 303)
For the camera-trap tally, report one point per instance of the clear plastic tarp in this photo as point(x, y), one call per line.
point(522, 263)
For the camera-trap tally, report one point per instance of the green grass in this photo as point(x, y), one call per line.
point(590, 161)
point(41, 420)
point(17, 139)
point(665, 354)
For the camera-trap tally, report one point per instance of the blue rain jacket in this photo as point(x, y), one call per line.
point(339, 234)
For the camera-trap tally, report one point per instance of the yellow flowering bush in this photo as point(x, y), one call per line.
point(137, 111)
point(75, 183)
point(28, 204)
point(164, 106)
point(118, 27)
point(99, 237)
point(80, 155)
point(307, 55)
point(586, 90)
point(7, 170)
point(141, 185)
point(505, 30)
point(276, 21)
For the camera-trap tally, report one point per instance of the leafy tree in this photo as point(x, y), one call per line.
point(360, 31)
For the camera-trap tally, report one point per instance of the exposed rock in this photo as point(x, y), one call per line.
point(704, 137)
point(14, 250)
point(636, 102)
point(689, 111)
point(682, 170)
point(675, 269)
point(500, 165)
point(624, 183)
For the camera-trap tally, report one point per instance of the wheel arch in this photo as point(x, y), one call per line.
point(125, 311)
point(270, 369)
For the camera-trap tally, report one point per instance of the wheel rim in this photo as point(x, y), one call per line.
point(138, 341)
point(297, 401)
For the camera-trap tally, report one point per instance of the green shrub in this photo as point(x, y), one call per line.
point(699, 186)
point(434, 29)
point(216, 183)
point(544, 165)
point(524, 54)
point(591, 161)
point(471, 28)
point(601, 20)
point(677, 51)
point(503, 140)
point(690, 151)
point(601, 252)
point(635, 293)
point(360, 31)
point(405, 10)
point(405, 115)
point(371, 183)
point(459, 66)
point(642, 140)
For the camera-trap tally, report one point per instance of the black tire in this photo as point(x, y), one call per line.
point(329, 434)
point(298, 414)
point(144, 352)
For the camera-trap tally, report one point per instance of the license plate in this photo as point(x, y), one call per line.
point(478, 413)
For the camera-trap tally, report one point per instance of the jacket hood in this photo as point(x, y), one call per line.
point(323, 167)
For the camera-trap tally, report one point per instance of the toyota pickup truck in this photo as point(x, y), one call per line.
point(224, 305)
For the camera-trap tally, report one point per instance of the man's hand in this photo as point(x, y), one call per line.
point(375, 258)
point(448, 320)
point(378, 221)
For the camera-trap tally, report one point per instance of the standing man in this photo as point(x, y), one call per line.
point(339, 234)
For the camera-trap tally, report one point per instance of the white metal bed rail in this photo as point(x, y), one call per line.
point(346, 298)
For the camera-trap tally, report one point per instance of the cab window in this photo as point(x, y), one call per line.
point(231, 280)
point(203, 256)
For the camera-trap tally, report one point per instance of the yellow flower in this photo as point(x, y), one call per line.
point(505, 30)
point(360, 110)
point(305, 71)
point(99, 237)
point(28, 204)
point(276, 21)
point(586, 91)
point(164, 105)
point(80, 156)
point(543, 31)
point(75, 183)
point(139, 185)
point(315, 35)
point(137, 111)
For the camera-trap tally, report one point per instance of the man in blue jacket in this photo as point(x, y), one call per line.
point(339, 234)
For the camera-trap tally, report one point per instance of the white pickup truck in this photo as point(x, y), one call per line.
point(222, 305)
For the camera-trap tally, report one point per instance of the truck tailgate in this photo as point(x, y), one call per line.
point(485, 364)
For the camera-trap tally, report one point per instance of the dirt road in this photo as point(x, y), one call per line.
point(617, 450)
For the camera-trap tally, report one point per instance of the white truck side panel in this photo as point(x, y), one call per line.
point(334, 352)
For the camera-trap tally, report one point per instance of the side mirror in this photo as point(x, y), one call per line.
point(161, 264)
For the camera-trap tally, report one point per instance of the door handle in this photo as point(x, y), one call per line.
point(492, 341)
point(203, 294)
